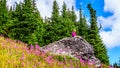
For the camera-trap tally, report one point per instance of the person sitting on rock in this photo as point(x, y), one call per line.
point(74, 33)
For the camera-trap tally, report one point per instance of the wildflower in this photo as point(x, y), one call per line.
point(93, 62)
point(39, 63)
point(49, 59)
point(101, 66)
point(64, 67)
point(71, 61)
point(82, 61)
point(71, 66)
point(22, 64)
point(22, 57)
point(37, 52)
point(90, 62)
point(37, 47)
point(34, 66)
point(31, 48)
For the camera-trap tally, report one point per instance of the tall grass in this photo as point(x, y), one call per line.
point(19, 55)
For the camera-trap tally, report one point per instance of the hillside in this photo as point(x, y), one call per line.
point(15, 54)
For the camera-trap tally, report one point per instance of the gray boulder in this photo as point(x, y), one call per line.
point(75, 47)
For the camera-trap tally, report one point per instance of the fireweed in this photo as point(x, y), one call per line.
point(15, 54)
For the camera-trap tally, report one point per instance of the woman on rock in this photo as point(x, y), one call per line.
point(74, 33)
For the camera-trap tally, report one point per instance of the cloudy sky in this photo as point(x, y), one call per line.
point(108, 13)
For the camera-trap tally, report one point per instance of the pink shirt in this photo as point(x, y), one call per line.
point(73, 34)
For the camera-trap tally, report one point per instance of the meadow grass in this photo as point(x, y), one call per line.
point(15, 54)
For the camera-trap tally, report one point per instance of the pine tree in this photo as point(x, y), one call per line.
point(55, 12)
point(8, 26)
point(94, 38)
point(74, 17)
point(3, 15)
point(67, 21)
point(64, 8)
point(119, 61)
point(37, 35)
point(51, 28)
point(28, 25)
point(82, 25)
point(60, 26)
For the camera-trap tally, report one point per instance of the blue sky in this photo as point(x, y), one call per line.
point(98, 5)
point(108, 14)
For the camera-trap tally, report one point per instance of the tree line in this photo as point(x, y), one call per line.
point(116, 64)
point(23, 22)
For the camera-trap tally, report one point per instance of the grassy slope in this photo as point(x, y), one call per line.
point(17, 55)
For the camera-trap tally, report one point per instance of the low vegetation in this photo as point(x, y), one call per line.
point(15, 54)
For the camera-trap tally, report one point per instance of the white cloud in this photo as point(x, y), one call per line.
point(11, 2)
point(111, 38)
point(45, 6)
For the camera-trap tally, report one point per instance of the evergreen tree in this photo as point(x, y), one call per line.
point(52, 28)
point(37, 35)
point(94, 38)
point(64, 12)
point(7, 27)
point(119, 61)
point(71, 14)
point(67, 22)
point(82, 25)
point(115, 65)
point(3, 15)
point(74, 17)
point(28, 25)
point(60, 26)
point(55, 12)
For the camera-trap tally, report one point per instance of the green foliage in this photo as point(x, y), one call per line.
point(52, 27)
point(55, 12)
point(60, 26)
point(64, 58)
point(25, 23)
point(3, 15)
point(73, 15)
point(64, 8)
point(82, 25)
point(94, 38)
point(116, 65)
point(60, 58)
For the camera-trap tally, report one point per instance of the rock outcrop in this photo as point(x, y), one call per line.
point(74, 47)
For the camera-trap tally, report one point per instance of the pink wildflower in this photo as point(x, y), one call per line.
point(71, 61)
point(37, 47)
point(64, 67)
point(71, 66)
point(82, 61)
point(37, 52)
point(31, 48)
point(49, 59)
point(22, 57)
point(39, 63)
point(101, 66)
point(22, 64)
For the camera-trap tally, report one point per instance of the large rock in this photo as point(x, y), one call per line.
point(74, 47)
